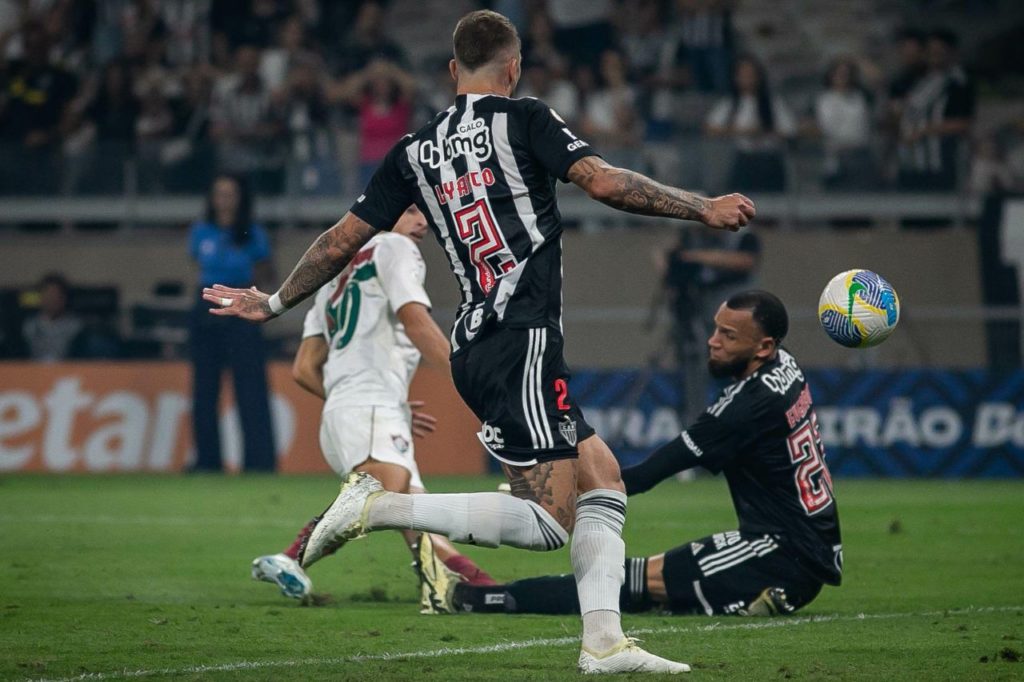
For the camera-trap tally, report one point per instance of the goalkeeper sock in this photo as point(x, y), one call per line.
point(466, 567)
point(550, 594)
point(635, 596)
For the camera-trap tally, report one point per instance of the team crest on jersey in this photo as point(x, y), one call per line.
point(400, 443)
point(567, 427)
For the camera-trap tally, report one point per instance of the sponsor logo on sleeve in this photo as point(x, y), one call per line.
point(690, 444)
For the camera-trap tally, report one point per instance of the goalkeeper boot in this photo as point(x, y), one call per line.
point(437, 581)
point(284, 572)
point(627, 657)
point(344, 520)
point(771, 602)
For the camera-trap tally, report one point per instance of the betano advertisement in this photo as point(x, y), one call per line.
point(136, 417)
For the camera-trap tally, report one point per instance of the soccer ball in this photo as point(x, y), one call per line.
point(858, 309)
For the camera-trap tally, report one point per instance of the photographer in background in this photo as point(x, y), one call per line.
point(698, 272)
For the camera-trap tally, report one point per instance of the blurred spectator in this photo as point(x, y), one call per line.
point(51, 332)
point(583, 30)
point(990, 172)
point(655, 63)
point(642, 36)
point(313, 168)
point(188, 31)
point(910, 45)
point(141, 27)
point(610, 118)
point(229, 249)
point(152, 71)
point(153, 129)
point(111, 115)
point(382, 93)
point(559, 94)
point(291, 46)
point(247, 22)
point(438, 90)
point(936, 120)
point(706, 36)
point(35, 98)
point(70, 25)
point(183, 161)
point(842, 114)
point(539, 45)
point(246, 126)
point(757, 124)
point(366, 41)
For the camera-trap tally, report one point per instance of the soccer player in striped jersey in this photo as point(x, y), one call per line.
point(483, 173)
point(762, 434)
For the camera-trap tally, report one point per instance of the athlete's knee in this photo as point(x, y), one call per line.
point(393, 477)
point(598, 468)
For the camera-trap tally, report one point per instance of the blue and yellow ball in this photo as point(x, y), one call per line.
point(858, 309)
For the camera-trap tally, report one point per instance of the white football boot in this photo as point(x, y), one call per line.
point(284, 572)
point(344, 520)
point(627, 657)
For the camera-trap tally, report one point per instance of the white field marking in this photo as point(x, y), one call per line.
point(136, 520)
point(514, 645)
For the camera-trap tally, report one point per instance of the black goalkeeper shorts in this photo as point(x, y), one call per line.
point(517, 383)
point(722, 573)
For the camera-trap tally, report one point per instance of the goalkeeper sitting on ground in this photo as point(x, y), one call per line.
point(762, 434)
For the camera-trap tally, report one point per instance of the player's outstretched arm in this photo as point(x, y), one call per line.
point(324, 259)
point(634, 192)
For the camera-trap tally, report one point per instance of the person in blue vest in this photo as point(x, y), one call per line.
point(228, 246)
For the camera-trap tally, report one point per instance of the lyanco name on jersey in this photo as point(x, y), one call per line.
point(463, 185)
point(470, 139)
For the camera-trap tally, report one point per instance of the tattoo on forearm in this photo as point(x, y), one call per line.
point(636, 193)
point(325, 258)
point(539, 485)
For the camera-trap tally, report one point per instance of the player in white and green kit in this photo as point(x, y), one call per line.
point(362, 341)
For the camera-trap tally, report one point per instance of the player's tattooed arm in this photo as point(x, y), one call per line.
point(634, 192)
point(324, 259)
point(557, 494)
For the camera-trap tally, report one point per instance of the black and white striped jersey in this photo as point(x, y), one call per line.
point(483, 173)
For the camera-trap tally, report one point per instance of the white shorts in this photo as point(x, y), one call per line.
point(349, 435)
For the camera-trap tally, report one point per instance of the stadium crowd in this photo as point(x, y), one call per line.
point(305, 96)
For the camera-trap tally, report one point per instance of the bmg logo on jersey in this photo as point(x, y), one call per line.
point(491, 436)
point(470, 139)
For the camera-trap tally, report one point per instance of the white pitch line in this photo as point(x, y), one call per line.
point(115, 520)
point(514, 645)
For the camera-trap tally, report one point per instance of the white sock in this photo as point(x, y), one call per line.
point(485, 519)
point(598, 555)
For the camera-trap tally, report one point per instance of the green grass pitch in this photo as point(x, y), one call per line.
point(148, 578)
